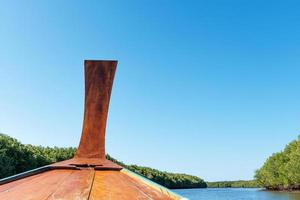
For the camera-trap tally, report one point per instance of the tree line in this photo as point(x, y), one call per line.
point(16, 157)
point(281, 171)
point(234, 184)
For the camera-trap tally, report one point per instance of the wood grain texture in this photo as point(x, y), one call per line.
point(77, 186)
point(83, 184)
point(38, 187)
point(12, 184)
point(96, 163)
point(115, 185)
point(99, 76)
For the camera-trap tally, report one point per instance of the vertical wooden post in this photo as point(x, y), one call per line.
point(99, 76)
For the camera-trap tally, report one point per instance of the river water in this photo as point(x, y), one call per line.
point(235, 194)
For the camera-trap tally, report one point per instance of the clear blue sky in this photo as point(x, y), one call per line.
point(209, 88)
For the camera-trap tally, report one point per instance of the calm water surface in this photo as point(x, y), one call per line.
point(235, 194)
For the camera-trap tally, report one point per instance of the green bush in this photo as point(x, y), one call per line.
point(16, 157)
point(281, 171)
point(169, 180)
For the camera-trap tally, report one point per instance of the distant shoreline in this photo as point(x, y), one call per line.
point(234, 184)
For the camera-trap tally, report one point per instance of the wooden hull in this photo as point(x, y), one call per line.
point(84, 184)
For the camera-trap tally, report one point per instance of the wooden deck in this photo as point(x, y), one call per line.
point(84, 184)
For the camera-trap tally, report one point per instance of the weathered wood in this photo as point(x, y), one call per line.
point(99, 76)
point(117, 185)
point(75, 186)
point(40, 187)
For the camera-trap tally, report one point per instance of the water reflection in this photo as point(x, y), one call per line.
point(282, 195)
point(235, 194)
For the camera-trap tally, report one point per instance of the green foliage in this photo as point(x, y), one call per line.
point(16, 158)
point(233, 184)
point(281, 171)
point(169, 180)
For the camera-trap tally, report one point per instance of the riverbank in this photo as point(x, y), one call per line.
point(280, 172)
point(233, 184)
point(282, 190)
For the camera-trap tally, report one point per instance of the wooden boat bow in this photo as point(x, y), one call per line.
point(89, 175)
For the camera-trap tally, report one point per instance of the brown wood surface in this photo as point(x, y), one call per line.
point(99, 76)
point(81, 184)
point(37, 188)
point(115, 185)
point(98, 164)
point(75, 186)
point(10, 185)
